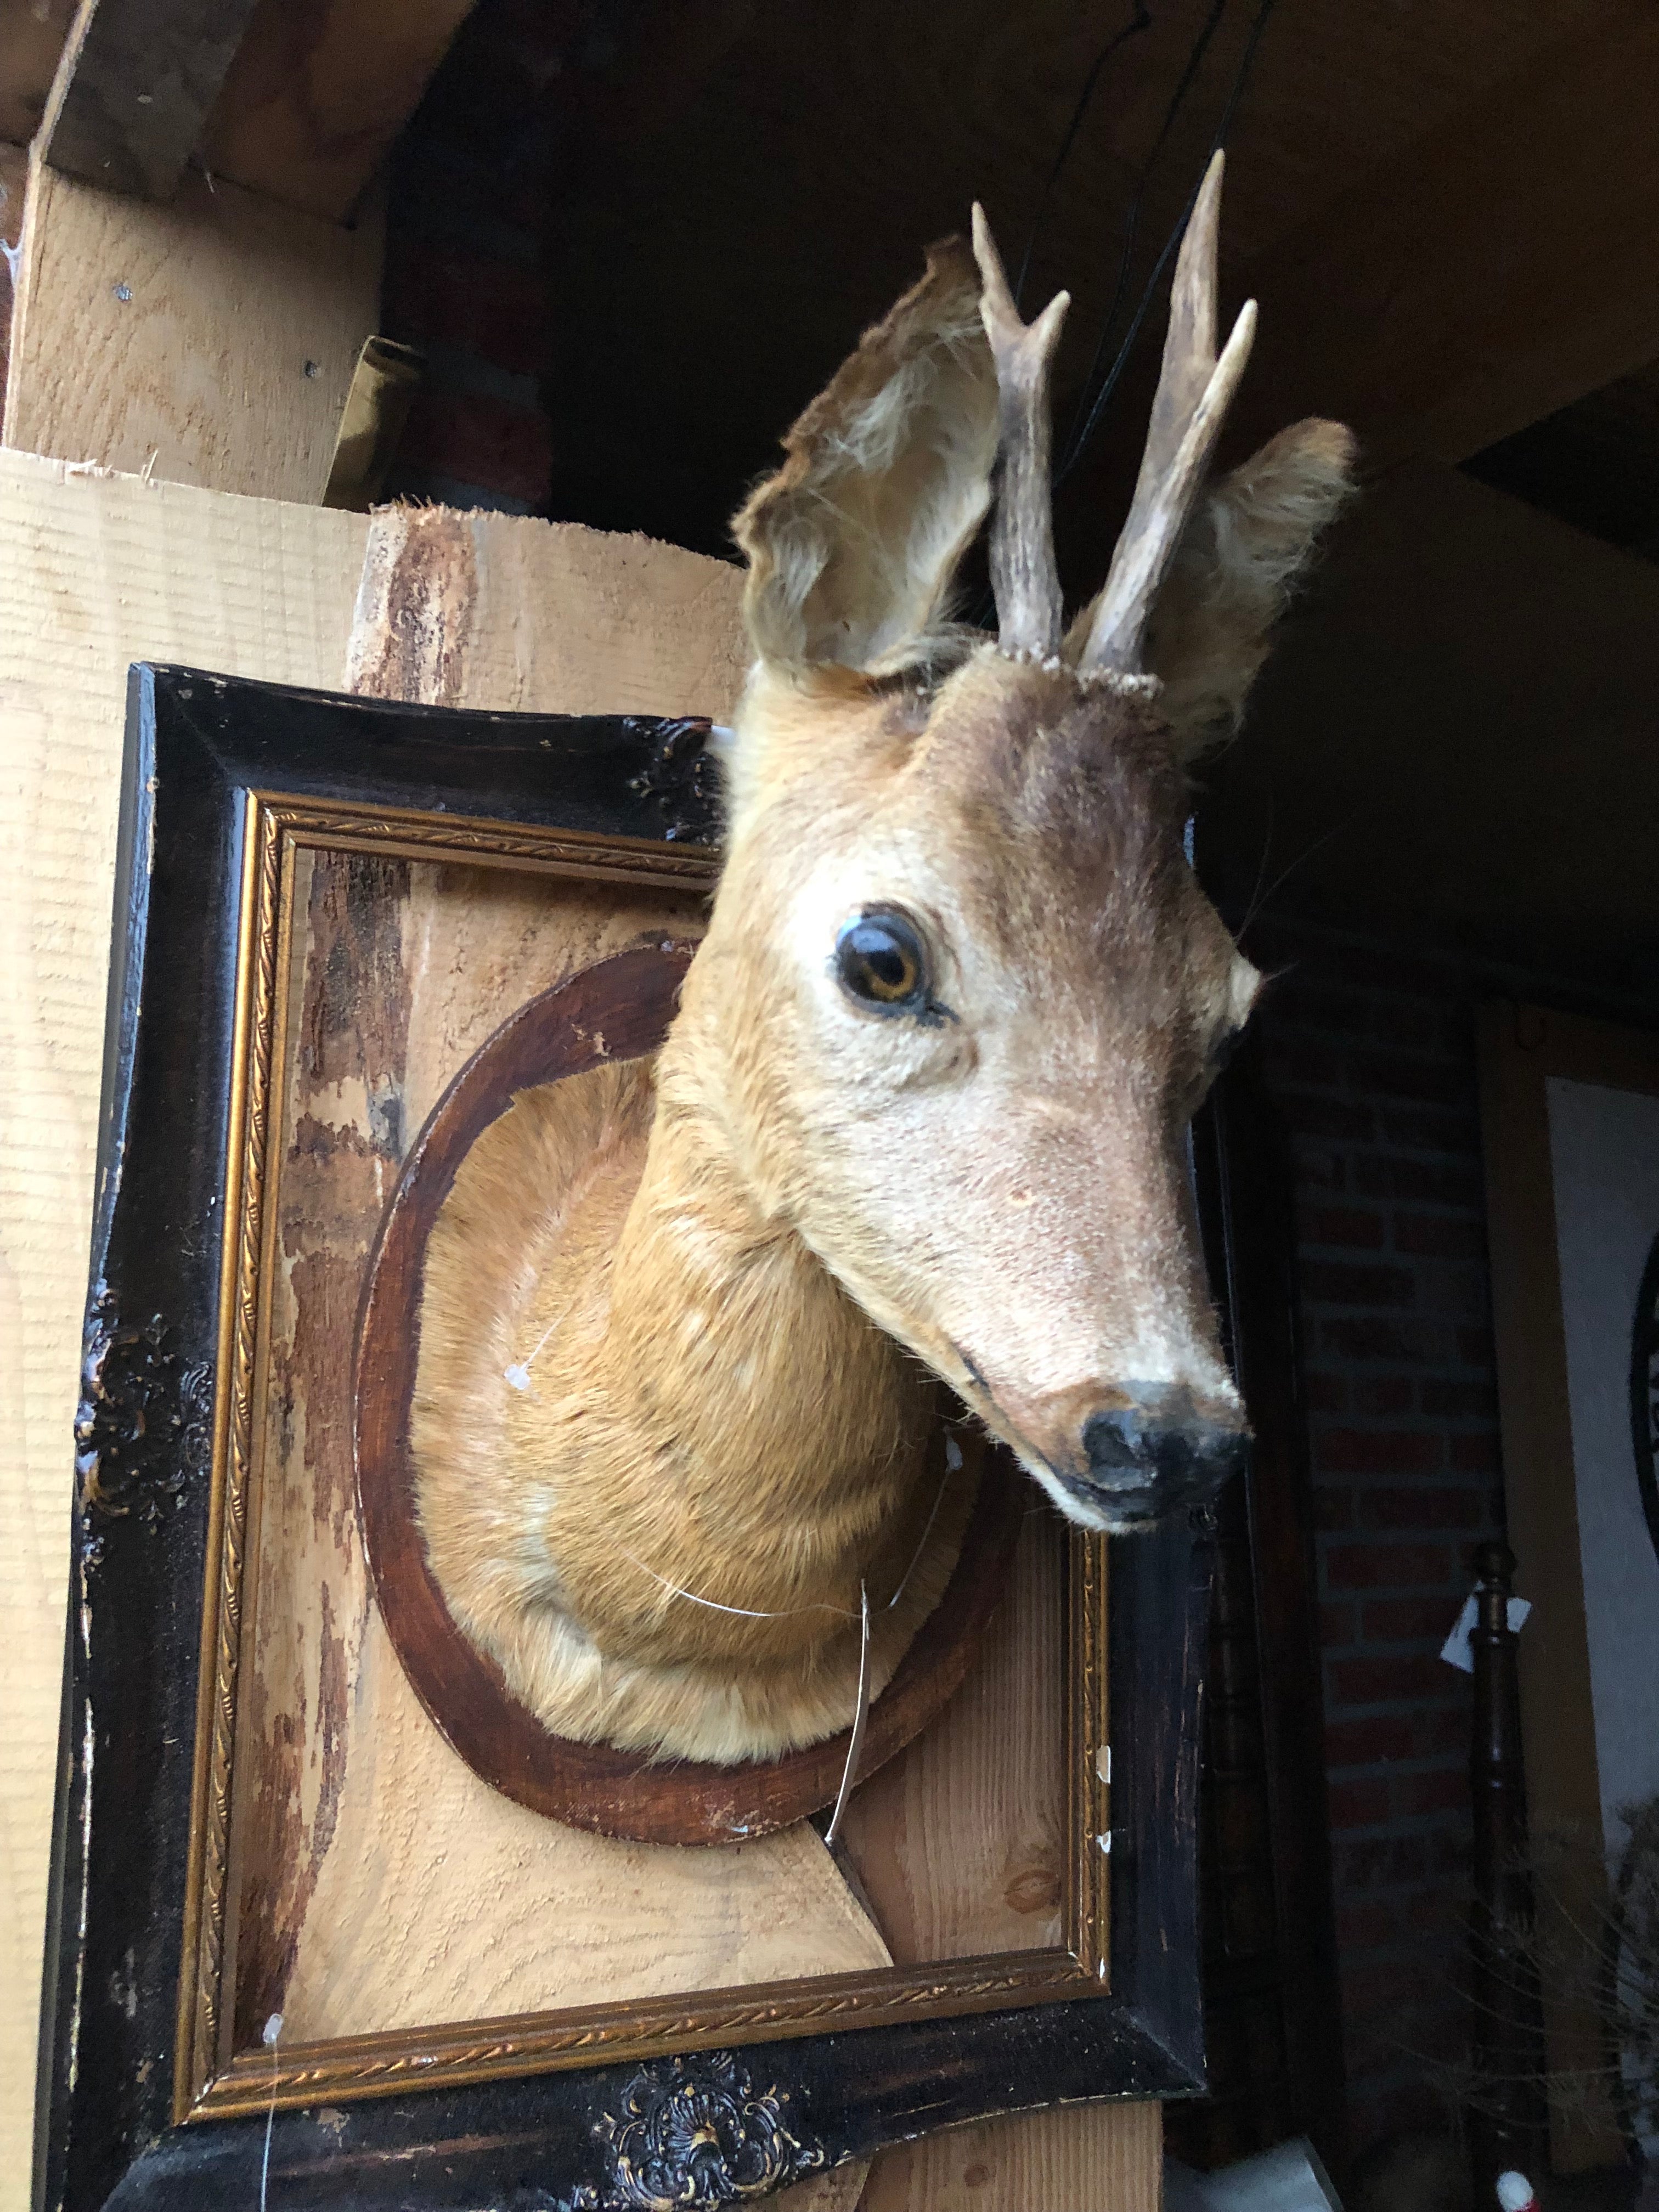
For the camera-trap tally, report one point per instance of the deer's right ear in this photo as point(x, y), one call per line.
point(853, 544)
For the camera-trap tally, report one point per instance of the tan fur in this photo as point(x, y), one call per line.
point(672, 1430)
point(748, 1261)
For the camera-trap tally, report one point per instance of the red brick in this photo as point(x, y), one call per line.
point(1476, 1453)
point(1317, 1169)
point(1358, 1804)
point(1449, 1290)
point(1326, 1393)
point(1345, 1225)
point(1388, 1566)
point(1384, 1394)
point(1336, 1623)
point(478, 440)
point(494, 308)
point(1378, 1451)
point(1329, 1118)
point(1436, 1182)
point(1407, 1619)
point(1374, 1338)
point(1335, 1283)
point(1368, 1742)
point(1443, 1727)
point(1447, 1791)
point(1444, 1401)
point(1432, 1129)
point(1402, 1676)
point(1442, 1236)
point(1430, 1505)
point(1331, 1504)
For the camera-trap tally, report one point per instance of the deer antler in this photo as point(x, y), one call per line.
point(1194, 391)
point(1029, 614)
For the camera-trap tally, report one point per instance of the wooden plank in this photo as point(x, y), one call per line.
point(32, 35)
point(133, 87)
point(95, 572)
point(213, 340)
point(1505, 265)
point(13, 194)
point(316, 95)
point(1080, 2158)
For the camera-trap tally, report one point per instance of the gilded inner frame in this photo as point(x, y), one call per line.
point(219, 2073)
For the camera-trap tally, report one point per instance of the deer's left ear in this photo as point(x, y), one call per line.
point(1239, 557)
point(853, 545)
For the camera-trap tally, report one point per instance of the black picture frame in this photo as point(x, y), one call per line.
point(198, 746)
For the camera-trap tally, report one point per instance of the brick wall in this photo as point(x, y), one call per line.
point(1372, 1062)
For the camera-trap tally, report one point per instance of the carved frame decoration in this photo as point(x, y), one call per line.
point(634, 2103)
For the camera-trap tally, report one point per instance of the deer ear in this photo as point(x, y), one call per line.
point(1241, 556)
point(853, 545)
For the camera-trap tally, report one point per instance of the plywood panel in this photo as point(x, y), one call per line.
point(368, 1848)
point(1080, 2158)
point(95, 572)
point(211, 341)
point(959, 1841)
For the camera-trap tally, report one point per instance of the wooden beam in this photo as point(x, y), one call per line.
point(1506, 266)
point(31, 35)
point(133, 88)
point(211, 341)
point(317, 96)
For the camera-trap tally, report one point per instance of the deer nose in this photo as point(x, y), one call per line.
point(1158, 1450)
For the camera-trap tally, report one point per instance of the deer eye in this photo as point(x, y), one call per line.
point(882, 962)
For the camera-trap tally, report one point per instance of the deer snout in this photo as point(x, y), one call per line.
point(1155, 1448)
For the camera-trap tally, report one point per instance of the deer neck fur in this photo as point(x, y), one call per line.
point(709, 1417)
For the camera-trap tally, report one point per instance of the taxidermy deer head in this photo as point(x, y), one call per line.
point(962, 993)
point(928, 1088)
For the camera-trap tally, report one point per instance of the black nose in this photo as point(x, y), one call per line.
point(1157, 1452)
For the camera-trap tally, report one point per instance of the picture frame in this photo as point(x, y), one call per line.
point(149, 2098)
point(1569, 1117)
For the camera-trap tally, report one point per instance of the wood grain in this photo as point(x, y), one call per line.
point(1508, 262)
point(959, 1842)
point(14, 198)
point(133, 87)
point(31, 35)
point(365, 1846)
point(1085, 2158)
point(213, 338)
point(95, 572)
point(316, 95)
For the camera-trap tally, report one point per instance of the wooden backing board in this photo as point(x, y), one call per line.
point(213, 338)
point(133, 87)
point(95, 572)
point(316, 95)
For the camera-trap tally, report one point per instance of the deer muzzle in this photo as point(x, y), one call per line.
point(1157, 1449)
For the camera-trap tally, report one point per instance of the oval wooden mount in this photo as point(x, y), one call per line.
point(619, 1009)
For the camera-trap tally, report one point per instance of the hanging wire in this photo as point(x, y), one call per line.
point(1140, 20)
point(1084, 429)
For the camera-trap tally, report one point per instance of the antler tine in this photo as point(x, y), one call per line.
point(1195, 391)
point(1023, 576)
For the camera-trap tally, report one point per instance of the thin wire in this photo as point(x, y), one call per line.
point(1131, 223)
point(1241, 76)
point(1140, 20)
point(952, 1463)
point(273, 2030)
point(855, 1745)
